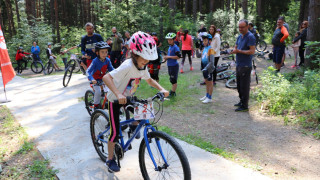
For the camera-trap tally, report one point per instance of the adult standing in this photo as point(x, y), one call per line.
point(87, 45)
point(201, 32)
point(187, 46)
point(215, 45)
point(244, 49)
point(178, 37)
point(303, 37)
point(126, 44)
point(115, 53)
point(35, 50)
point(278, 42)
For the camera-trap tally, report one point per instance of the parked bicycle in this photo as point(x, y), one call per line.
point(160, 155)
point(261, 45)
point(36, 66)
point(73, 66)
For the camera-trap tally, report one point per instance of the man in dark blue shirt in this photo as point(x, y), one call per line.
point(87, 45)
point(244, 49)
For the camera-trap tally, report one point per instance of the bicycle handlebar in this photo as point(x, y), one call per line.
point(133, 100)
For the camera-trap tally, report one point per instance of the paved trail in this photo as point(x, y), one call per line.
point(57, 120)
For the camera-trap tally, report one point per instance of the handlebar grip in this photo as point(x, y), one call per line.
point(128, 100)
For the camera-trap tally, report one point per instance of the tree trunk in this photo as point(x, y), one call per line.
point(313, 30)
point(200, 6)
point(57, 19)
point(245, 8)
point(52, 19)
point(194, 11)
point(211, 6)
point(44, 10)
point(17, 12)
point(161, 21)
point(303, 14)
point(10, 18)
point(1, 20)
point(228, 5)
point(186, 7)
point(236, 5)
point(172, 6)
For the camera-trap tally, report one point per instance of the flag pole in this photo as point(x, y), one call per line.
point(4, 88)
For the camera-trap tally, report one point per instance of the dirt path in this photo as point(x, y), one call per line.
point(258, 140)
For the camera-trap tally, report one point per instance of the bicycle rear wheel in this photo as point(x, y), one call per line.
point(224, 74)
point(232, 83)
point(177, 166)
point(261, 46)
point(225, 45)
point(88, 99)
point(76, 67)
point(98, 124)
point(36, 67)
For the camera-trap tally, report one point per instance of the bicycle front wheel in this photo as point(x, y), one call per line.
point(49, 69)
point(261, 46)
point(98, 124)
point(67, 77)
point(88, 99)
point(177, 166)
point(36, 67)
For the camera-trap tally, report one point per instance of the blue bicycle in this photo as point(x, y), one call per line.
point(160, 155)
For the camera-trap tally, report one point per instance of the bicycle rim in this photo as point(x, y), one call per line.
point(36, 67)
point(77, 67)
point(178, 165)
point(50, 68)
point(98, 124)
point(88, 99)
point(232, 83)
point(67, 77)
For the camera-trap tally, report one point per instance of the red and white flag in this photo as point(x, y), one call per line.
point(6, 66)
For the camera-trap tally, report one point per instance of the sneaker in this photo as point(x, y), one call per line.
point(203, 83)
point(181, 71)
point(18, 74)
point(242, 109)
point(238, 104)
point(133, 128)
point(293, 66)
point(207, 100)
point(203, 98)
point(191, 68)
point(112, 166)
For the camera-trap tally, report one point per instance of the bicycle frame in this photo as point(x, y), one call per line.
point(125, 146)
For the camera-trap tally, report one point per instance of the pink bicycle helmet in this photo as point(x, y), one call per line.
point(142, 44)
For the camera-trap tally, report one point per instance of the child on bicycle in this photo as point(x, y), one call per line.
point(52, 58)
point(124, 81)
point(207, 67)
point(172, 63)
point(97, 69)
point(19, 58)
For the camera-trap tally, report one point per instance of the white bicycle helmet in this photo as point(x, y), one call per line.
point(143, 45)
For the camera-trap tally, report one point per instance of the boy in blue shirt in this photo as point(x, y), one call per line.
point(35, 50)
point(173, 66)
point(98, 68)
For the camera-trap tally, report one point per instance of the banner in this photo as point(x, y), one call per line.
point(6, 66)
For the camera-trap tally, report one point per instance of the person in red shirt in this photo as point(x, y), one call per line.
point(19, 58)
point(178, 37)
point(187, 46)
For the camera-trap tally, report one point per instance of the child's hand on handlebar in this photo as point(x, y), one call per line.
point(122, 99)
point(94, 81)
point(165, 92)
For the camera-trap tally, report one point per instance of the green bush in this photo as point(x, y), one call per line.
point(294, 93)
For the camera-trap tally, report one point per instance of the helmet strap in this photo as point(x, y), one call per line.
point(135, 62)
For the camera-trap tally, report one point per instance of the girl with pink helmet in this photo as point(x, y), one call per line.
point(123, 82)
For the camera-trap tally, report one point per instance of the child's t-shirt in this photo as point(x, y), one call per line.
point(127, 79)
point(98, 69)
point(204, 57)
point(172, 51)
point(65, 55)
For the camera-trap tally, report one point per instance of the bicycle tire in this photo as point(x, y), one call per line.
point(88, 100)
point(225, 45)
point(35, 67)
point(163, 53)
point(97, 126)
point(261, 46)
point(124, 116)
point(67, 77)
point(165, 141)
point(49, 68)
point(224, 74)
point(76, 67)
point(232, 83)
point(15, 66)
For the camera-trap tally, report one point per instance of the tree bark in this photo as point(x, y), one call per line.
point(313, 30)
point(1, 19)
point(194, 11)
point(44, 10)
point(10, 18)
point(228, 5)
point(57, 19)
point(172, 6)
point(161, 21)
point(200, 6)
point(236, 5)
point(211, 6)
point(303, 14)
point(245, 8)
point(186, 7)
point(17, 12)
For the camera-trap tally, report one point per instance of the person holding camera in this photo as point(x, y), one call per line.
point(115, 53)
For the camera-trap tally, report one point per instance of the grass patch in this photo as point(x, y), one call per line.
point(295, 96)
point(199, 142)
point(18, 157)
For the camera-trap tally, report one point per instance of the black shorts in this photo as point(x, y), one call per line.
point(173, 73)
point(208, 76)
